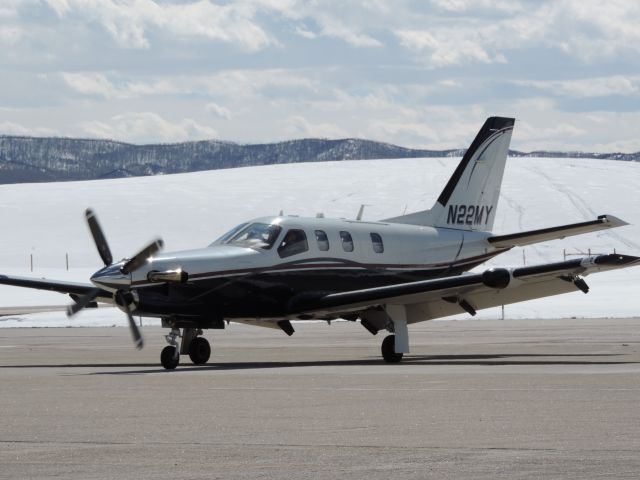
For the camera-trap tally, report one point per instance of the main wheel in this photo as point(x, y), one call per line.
point(168, 357)
point(389, 351)
point(199, 350)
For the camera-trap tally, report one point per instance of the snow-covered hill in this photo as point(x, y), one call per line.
point(32, 159)
point(191, 210)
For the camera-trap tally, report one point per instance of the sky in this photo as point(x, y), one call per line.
point(421, 74)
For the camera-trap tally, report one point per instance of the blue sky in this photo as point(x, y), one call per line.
point(413, 73)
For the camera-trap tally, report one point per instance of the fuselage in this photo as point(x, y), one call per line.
point(258, 267)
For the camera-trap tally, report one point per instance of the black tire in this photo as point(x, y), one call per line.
point(389, 351)
point(199, 350)
point(168, 357)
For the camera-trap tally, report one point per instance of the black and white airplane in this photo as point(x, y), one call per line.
point(386, 274)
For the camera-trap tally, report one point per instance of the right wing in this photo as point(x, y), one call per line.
point(429, 299)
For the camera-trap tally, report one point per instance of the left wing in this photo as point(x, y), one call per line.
point(554, 233)
point(74, 289)
point(429, 299)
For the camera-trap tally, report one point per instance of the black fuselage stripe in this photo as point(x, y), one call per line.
point(306, 265)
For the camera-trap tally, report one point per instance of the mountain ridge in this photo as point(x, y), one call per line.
point(25, 159)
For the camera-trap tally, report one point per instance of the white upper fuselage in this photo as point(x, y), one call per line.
point(402, 247)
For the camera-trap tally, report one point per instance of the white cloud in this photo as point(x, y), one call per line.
point(11, 128)
point(298, 126)
point(91, 83)
point(148, 127)
point(228, 83)
point(216, 109)
point(467, 5)
point(588, 87)
point(445, 49)
point(333, 27)
point(61, 7)
point(129, 23)
point(10, 36)
point(9, 9)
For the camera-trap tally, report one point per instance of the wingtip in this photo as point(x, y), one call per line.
point(612, 221)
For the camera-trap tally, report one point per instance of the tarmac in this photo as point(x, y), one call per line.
point(474, 399)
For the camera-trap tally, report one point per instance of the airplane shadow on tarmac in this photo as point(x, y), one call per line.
point(412, 360)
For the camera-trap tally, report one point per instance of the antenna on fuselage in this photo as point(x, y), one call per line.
point(361, 211)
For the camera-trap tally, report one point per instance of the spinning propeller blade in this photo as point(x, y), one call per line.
point(135, 331)
point(98, 237)
point(82, 302)
point(141, 257)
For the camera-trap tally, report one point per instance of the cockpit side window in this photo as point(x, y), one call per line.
point(347, 241)
point(224, 238)
point(293, 243)
point(323, 240)
point(256, 235)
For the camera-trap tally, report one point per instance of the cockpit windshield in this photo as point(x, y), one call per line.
point(254, 235)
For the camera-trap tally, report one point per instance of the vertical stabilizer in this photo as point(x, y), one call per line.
point(470, 198)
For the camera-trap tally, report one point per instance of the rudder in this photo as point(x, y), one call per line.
point(470, 198)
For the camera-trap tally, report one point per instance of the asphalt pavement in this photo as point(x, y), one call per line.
point(474, 399)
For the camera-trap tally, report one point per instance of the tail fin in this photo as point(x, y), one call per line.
point(470, 198)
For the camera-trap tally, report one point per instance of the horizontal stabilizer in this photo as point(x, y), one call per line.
point(554, 233)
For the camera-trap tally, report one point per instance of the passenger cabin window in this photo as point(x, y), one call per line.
point(376, 241)
point(347, 241)
point(294, 242)
point(323, 240)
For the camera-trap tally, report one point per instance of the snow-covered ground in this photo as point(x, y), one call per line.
point(191, 210)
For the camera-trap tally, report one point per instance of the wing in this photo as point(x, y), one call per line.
point(429, 299)
point(74, 289)
point(536, 236)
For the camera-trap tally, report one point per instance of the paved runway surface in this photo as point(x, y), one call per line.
point(476, 399)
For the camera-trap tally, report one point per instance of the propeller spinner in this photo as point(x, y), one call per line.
point(114, 276)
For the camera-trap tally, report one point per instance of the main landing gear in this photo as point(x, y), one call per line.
point(197, 347)
point(389, 351)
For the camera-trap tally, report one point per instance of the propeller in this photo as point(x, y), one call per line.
point(122, 296)
point(98, 237)
point(121, 299)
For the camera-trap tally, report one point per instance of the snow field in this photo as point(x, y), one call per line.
point(191, 210)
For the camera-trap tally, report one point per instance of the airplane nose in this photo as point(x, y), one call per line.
point(111, 278)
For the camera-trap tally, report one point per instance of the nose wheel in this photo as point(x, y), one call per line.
point(169, 357)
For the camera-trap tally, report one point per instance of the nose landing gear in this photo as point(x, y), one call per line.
point(192, 343)
point(199, 350)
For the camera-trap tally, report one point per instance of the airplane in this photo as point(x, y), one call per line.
point(386, 274)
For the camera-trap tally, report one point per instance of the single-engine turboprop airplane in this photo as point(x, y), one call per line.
point(386, 274)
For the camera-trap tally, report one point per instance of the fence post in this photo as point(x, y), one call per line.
point(31, 261)
point(66, 256)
